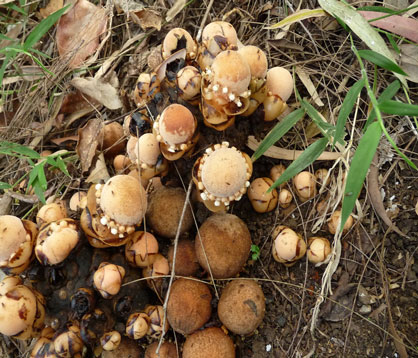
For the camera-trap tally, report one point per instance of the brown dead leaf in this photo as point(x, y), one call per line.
point(409, 61)
point(13, 33)
point(53, 6)
point(100, 90)
point(175, 9)
point(99, 173)
point(147, 19)
point(127, 6)
point(76, 101)
point(79, 30)
point(88, 140)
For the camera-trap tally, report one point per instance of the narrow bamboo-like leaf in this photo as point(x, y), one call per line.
point(376, 8)
point(298, 16)
point(399, 108)
point(18, 149)
point(41, 175)
point(4, 185)
point(381, 61)
point(388, 93)
point(39, 192)
point(62, 166)
point(359, 25)
point(308, 156)
point(279, 130)
point(327, 129)
point(359, 167)
point(42, 28)
point(346, 108)
point(393, 43)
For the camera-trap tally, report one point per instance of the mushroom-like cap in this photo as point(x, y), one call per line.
point(141, 249)
point(113, 141)
point(305, 185)
point(231, 71)
point(51, 212)
point(78, 201)
point(108, 279)
point(217, 36)
point(260, 199)
point(256, 59)
point(12, 236)
point(285, 198)
point(276, 171)
point(189, 305)
point(68, 343)
point(18, 308)
point(164, 212)
point(288, 245)
point(156, 316)
point(186, 260)
point(209, 343)
point(188, 82)
point(177, 124)
point(242, 306)
point(333, 222)
point(167, 350)
point(110, 340)
point(318, 249)
point(226, 241)
point(280, 82)
point(224, 172)
point(56, 241)
point(321, 175)
point(137, 325)
point(147, 149)
point(131, 148)
point(177, 39)
point(127, 348)
point(124, 200)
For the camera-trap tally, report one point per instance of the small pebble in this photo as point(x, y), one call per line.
point(365, 309)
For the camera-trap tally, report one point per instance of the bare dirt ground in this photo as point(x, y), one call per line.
point(372, 312)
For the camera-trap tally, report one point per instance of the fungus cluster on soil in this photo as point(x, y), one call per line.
point(79, 292)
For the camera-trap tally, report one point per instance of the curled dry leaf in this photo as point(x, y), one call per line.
point(88, 141)
point(79, 30)
point(175, 9)
point(99, 173)
point(147, 18)
point(100, 90)
point(53, 6)
point(76, 101)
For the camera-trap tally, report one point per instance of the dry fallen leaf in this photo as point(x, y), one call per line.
point(53, 6)
point(409, 61)
point(76, 101)
point(99, 173)
point(147, 19)
point(79, 30)
point(307, 82)
point(127, 6)
point(103, 92)
point(88, 140)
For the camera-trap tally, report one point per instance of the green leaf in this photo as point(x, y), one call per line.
point(3, 67)
point(279, 130)
point(4, 37)
point(16, 8)
point(360, 26)
point(62, 166)
point(377, 9)
point(4, 185)
point(359, 167)
point(393, 43)
point(388, 93)
point(9, 148)
point(399, 108)
point(41, 175)
point(39, 192)
point(42, 28)
point(381, 61)
point(308, 156)
point(346, 108)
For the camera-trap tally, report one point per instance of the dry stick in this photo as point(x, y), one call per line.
point(173, 270)
point(376, 198)
point(202, 24)
point(286, 154)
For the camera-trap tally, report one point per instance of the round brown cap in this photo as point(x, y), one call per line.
point(177, 124)
point(256, 59)
point(12, 235)
point(124, 200)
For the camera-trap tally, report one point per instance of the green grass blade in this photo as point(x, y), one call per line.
point(399, 108)
point(388, 93)
point(39, 192)
point(308, 156)
point(62, 166)
point(393, 43)
point(359, 167)
point(279, 130)
point(377, 9)
point(381, 61)
point(4, 185)
point(42, 28)
point(3, 67)
point(346, 108)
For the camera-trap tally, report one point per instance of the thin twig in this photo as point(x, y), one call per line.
point(202, 24)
